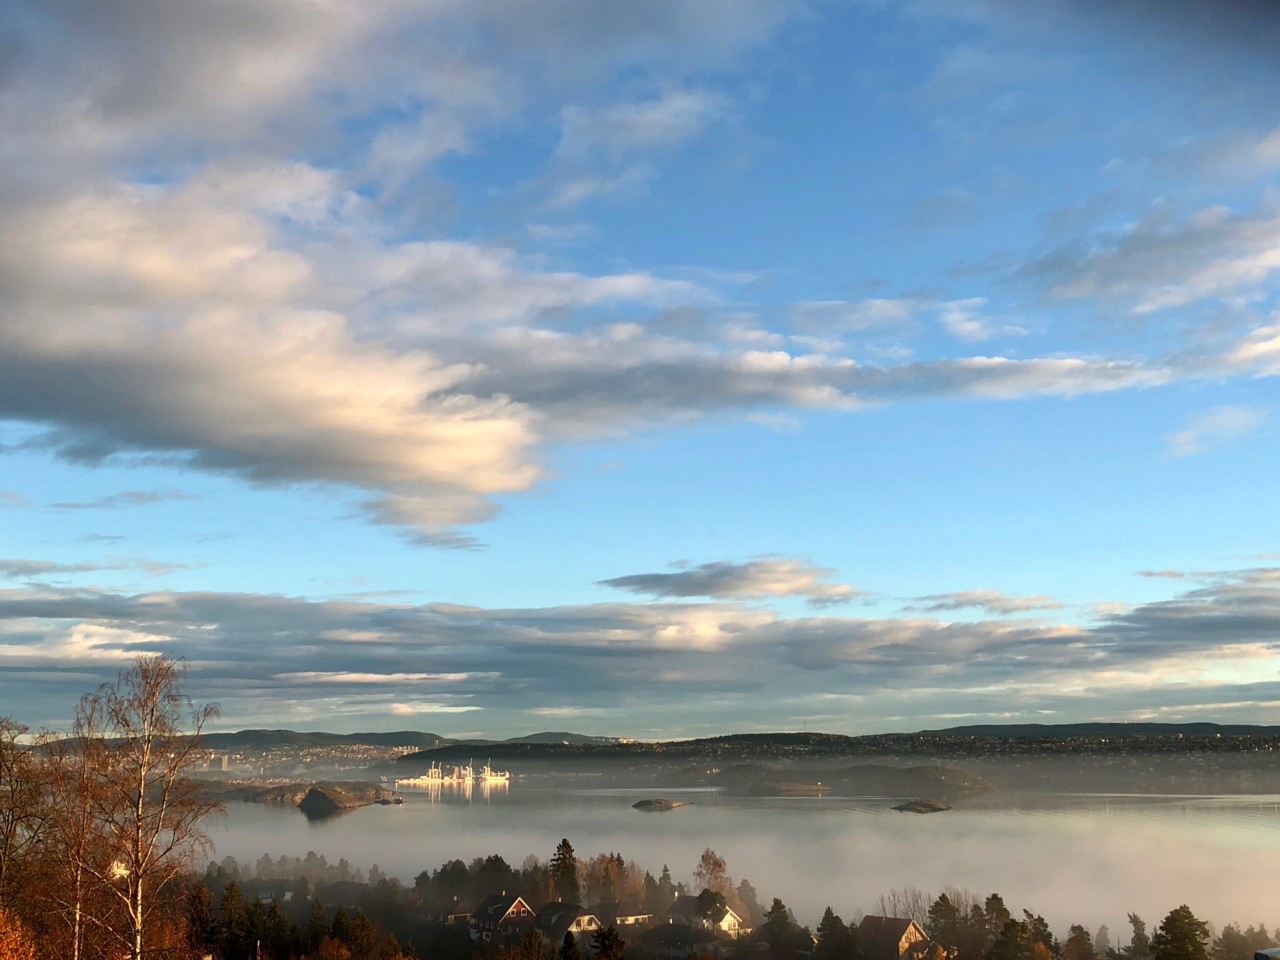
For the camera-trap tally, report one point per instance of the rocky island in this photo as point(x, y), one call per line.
point(923, 806)
point(658, 805)
point(326, 799)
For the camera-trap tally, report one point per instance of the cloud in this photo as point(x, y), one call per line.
point(856, 315)
point(1161, 262)
point(424, 376)
point(990, 601)
point(589, 186)
point(302, 328)
point(624, 128)
point(1214, 428)
point(12, 499)
point(962, 319)
point(636, 663)
point(125, 498)
point(754, 580)
point(19, 569)
point(16, 569)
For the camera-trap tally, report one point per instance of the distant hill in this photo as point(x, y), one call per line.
point(563, 744)
point(300, 740)
point(264, 739)
point(1111, 731)
point(576, 739)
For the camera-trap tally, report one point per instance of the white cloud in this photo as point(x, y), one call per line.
point(1214, 428)
point(963, 320)
point(624, 128)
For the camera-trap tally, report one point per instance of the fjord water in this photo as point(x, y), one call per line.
point(1086, 859)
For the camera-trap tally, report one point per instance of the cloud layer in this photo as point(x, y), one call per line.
point(1211, 646)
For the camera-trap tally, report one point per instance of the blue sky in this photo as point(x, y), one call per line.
point(644, 368)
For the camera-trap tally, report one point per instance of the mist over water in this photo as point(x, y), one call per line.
point(1075, 859)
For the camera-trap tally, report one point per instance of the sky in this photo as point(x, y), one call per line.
point(649, 368)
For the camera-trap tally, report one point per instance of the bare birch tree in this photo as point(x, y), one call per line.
point(22, 809)
point(77, 849)
point(146, 807)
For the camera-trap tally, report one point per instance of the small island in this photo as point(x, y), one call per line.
point(326, 799)
point(658, 805)
point(923, 806)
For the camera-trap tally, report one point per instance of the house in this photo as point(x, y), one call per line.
point(686, 910)
point(500, 918)
point(890, 938)
point(556, 919)
point(456, 911)
point(623, 916)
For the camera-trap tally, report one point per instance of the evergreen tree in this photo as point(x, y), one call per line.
point(1139, 943)
point(777, 916)
point(231, 930)
point(1102, 943)
point(995, 916)
point(652, 897)
point(1236, 944)
point(1038, 933)
point(835, 940)
point(564, 872)
point(1181, 937)
point(1079, 945)
point(666, 889)
point(606, 944)
point(1012, 943)
point(317, 925)
point(943, 923)
point(569, 949)
point(750, 902)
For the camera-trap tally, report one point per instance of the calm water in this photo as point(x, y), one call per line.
point(1075, 859)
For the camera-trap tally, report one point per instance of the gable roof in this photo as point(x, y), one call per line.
point(555, 918)
point(685, 907)
point(881, 935)
point(493, 908)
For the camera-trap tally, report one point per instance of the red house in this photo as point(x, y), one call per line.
point(500, 919)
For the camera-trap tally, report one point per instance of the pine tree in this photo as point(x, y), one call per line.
point(1079, 945)
point(606, 944)
point(569, 949)
point(1181, 937)
point(1102, 943)
point(835, 940)
point(1139, 944)
point(943, 924)
point(666, 888)
point(564, 872)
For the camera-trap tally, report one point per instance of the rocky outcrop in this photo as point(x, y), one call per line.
point(658, 805)
point(923, 806)
point(326, 799)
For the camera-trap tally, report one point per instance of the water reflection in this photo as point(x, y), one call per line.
point(459, 792)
